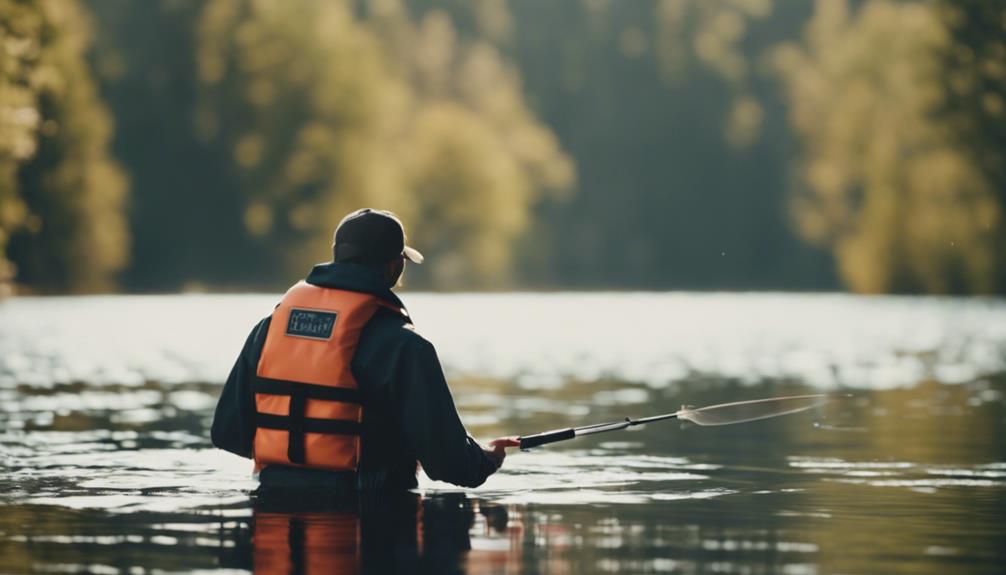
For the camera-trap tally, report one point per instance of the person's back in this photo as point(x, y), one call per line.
point(336, 388)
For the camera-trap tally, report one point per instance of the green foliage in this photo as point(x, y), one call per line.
point(249, 127)
point(889, 188)
point(298, 95)
point(19, 119)
point(324, 111)
point(61, 195)
point(974, 98)
point(682, 147)
point(713, 34)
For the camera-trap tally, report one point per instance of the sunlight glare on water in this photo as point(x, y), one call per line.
point(824, 340)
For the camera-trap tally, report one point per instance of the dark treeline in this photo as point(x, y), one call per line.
point(683, 159)
point(698, 144)
point(62, 194)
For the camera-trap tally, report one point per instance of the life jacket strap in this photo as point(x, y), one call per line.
point(307, 424)
point(308, 390)
point(295, 423)
point(295, 442)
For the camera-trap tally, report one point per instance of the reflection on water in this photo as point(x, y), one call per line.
point(106, 466)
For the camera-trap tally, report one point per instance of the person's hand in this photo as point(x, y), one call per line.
point(498, 451)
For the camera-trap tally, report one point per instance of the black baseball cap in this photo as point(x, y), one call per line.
point(371, 236)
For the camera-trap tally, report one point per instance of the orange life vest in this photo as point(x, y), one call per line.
point(307, 402)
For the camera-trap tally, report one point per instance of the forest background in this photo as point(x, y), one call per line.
point(170, 145)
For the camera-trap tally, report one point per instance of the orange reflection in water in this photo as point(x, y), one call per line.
point(307, 543)
point(298, 533)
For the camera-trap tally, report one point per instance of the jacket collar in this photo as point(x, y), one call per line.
point(352, 277)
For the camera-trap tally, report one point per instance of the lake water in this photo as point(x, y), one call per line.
point(107, 467)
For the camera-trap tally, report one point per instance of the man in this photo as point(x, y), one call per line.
point(336, 388)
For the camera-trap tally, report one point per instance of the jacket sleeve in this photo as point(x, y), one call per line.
point(431, 423)
point(233, 422)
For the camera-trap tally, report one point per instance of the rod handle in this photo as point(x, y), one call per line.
point(530, 441)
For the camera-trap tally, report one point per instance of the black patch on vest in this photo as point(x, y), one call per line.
point(312, 324)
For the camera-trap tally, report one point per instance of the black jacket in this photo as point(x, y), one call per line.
point(408, 411)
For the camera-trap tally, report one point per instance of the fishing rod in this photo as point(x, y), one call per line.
point(721, 414)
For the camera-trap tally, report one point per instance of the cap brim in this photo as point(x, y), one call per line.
point(413, 255)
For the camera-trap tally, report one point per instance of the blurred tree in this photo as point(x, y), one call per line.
point(974, 77)
point(61, 194)
point(681, 144)
point(889, 187)
point(325, 109)
point(478, 159)
point(716, 34)
point(19, 119)
point(299, 96)
point(250, 127)
point(186, 209)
